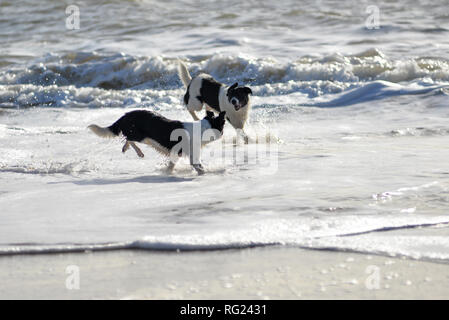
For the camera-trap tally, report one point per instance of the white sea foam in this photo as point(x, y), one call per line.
point(119, 71)
point(348, 233)
point(84, 79)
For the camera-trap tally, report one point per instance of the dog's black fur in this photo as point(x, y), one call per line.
point(210, 90)
point(140, 124)
point(209, 93)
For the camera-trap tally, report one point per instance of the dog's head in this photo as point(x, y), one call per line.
point(238, 96)
point(216, 122)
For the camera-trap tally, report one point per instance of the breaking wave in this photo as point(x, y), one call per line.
point(271, 234)
point(120, 71)
point(92, 79)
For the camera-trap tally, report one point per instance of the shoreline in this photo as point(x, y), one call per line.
point(255, 273)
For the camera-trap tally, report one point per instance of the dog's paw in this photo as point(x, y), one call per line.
point(199, 169)
point(125, 147)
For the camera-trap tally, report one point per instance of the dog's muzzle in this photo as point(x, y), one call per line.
point(237, 107)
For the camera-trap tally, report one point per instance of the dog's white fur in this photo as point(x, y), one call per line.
point(236, 118)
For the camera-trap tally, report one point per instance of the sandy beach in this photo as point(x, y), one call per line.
point(260, 273)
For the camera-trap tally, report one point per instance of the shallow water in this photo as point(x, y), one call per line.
point(357, 120)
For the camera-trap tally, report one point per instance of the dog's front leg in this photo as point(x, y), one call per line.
point(170, 166)
point(137, 149)
point(196, 164)
point(245, 137)
point(199, 168)
point(194, 153)
point(242, 134)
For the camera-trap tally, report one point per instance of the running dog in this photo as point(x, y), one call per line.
point(159, 132)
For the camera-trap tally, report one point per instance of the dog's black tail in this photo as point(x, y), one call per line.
point(106, 132)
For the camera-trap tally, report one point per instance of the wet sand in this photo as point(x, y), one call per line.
point(260, 273)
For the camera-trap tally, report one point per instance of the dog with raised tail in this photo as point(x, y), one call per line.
point(203, 89)
point(169, 137)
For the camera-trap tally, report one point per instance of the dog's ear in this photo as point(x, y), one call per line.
point(248, 90)
point(235, 85)
point(222, 114)
point(209, 114)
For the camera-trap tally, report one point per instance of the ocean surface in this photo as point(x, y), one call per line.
point(351, 100)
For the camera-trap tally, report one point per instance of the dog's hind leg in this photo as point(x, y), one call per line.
point(194, 104)
point(125, 147)
point(137, 149)
point(194, 116)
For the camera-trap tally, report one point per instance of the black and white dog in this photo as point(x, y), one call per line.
point(203, 89)
point(169, 137)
